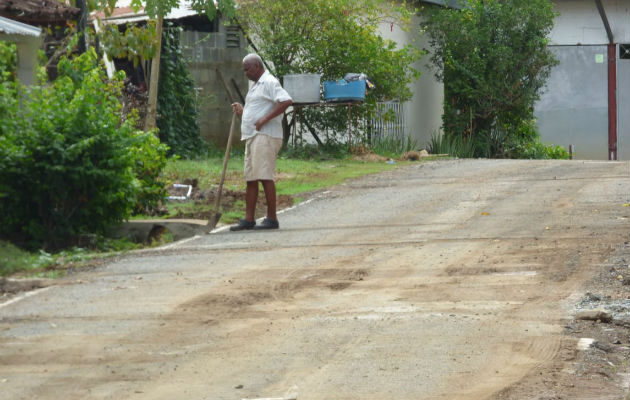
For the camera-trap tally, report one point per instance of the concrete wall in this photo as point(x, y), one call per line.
point(574, 106)
point(579, 22)
point(206, 52)
point(423, 114)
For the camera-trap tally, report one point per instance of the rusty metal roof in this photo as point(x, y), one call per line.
point(37, 11)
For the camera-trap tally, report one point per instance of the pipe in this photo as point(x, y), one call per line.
point(612, 101)
point(602, 14)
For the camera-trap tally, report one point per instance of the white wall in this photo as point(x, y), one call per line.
point(579, 22)
point(423, 114)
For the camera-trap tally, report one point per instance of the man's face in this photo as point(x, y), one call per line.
point(252, 70)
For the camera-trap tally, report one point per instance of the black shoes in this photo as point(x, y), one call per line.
point(242, 225)
point(267, 224)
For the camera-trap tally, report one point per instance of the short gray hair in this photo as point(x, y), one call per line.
point(253, 57)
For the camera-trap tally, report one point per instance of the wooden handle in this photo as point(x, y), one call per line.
point(225, 161)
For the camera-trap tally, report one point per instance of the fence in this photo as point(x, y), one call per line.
point(389, 121)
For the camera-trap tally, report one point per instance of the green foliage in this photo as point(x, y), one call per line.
point(13, 259)
point(393, 146)
point(332, 38)
point(177, 105)
point(67, 162)
point(135, 43)
point(453, 145)
point(493, 59)
point(538, 150)
point(327, 151)
point(8, 61)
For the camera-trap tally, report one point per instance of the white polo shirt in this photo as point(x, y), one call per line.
point(261, 98)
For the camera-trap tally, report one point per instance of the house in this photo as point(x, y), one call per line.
point(28, 39)
point(207, 46)
point(587, 102)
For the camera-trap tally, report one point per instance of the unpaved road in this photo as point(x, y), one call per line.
point(443, 280)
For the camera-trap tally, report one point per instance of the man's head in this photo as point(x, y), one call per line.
point(253, 67)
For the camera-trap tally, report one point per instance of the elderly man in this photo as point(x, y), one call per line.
point(261, 129)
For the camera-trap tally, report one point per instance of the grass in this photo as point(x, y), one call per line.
point(295, 177)
point(14, 259)
point(305, 176)
point(21, 263)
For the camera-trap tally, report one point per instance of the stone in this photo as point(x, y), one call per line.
point(602, 346)
point(598, 314)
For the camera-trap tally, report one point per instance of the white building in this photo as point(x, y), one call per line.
point(422, 115)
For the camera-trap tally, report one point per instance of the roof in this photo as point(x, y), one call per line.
point(11, 27)
point(37, 11)
point(124, 13)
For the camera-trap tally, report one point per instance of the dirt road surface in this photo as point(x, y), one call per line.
point(442, 280)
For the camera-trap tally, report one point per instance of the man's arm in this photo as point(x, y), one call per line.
point(277, 109)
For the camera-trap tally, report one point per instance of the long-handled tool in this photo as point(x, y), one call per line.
point(214, 219)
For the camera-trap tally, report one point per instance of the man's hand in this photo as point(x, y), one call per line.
point(237, 108)
point(277, 109)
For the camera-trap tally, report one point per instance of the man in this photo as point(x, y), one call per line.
point(261, 129)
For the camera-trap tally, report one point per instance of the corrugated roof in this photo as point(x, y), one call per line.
point(123, 13)
point(11, 27)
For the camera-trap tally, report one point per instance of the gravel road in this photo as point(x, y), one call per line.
point(441, 280)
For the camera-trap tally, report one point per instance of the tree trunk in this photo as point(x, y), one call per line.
point(82, 5)
point(149, 122)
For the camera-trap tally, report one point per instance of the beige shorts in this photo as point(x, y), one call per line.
point(261, 152)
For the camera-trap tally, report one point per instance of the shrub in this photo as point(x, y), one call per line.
point(8, 61)
point(538, 150)
point(67, 164)
point(493, 58)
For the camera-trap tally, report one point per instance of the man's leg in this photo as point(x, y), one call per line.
point(270, 195)
point(251, 197)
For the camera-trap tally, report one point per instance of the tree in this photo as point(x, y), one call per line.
point(493, 58)
point(157, 10)
point(332, 38)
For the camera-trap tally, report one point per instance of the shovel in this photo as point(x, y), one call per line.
point(214, 219)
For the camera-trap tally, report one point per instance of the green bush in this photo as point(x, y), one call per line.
point(538, 150)
point(68, 166)
point(177, 106)
point(8, 61)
